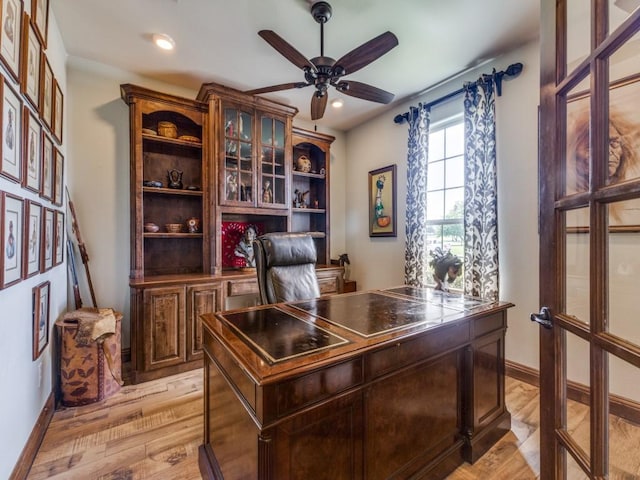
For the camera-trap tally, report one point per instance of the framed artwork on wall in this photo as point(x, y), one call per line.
point(623, 161)
point(58, 108)
point(40, 299)
point(32, 236)
point(382, 202)
point(32, 151)
point(10, 34)
point(58, 176)
point(11, 132)
point(48, 227)
point(47, 167)
point(11, 243)
point(46, 91)
point(58, 249)
point(40, 19)
point(31, 56)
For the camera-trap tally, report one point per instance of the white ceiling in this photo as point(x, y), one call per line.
point(217, 41)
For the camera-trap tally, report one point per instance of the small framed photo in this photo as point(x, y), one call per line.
point(48, 232)
point(46, 190)
point(46, 91)
point(12, 230)
point(10, 134)
point(382, 202)
point(40, 301)
point(32, 151)
point(40, 19)
point(58, 248)
point(58, 108)
point(10, 35)
point(32, 236)
point(58, 161)
point(31, 55)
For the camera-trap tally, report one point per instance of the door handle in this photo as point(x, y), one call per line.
point(543, 318)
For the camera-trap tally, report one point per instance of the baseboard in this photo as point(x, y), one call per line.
point(619, 406)
point(30, 450)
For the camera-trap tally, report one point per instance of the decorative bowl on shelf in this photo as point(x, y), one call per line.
point(151, 227)
point(149, 131)
point(173, 227)
point(384, 221)
point(303, 164)
point(152, 183)
point(167, 129)
point(189, 138)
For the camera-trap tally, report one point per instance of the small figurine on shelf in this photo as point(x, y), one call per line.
point(299, 200)
point(446, 267)
point(267, 194)
point(232, 186)
point(244, 248)
point(175, 178)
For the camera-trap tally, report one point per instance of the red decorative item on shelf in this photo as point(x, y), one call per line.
point(231, 234)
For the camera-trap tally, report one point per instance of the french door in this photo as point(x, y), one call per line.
point(589, 187)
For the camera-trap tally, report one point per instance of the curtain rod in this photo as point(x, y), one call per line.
point(512, 70)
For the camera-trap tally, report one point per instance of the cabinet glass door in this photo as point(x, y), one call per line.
point(272, 163)
point(238, 175)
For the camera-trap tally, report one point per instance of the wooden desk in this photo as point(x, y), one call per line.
point(401, 383)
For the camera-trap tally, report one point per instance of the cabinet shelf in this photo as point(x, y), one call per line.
point(174, 141)
point(172, 191)
point(309, 210)
point(309, 175)
point(172, 235)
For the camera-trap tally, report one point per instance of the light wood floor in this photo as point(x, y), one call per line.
point(153, 430)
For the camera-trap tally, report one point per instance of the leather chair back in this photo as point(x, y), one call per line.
point(285, 265)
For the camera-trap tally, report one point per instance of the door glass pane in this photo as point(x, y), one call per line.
point(577, 264)
point(267, 130)
point(624, 62)
point(278, 141)
point(578, 137)
point(624, 433)
point(578, 410)
point(246, 120)
point(574, 472)
point(624, 270)
point(619, 11)
point(578, 32)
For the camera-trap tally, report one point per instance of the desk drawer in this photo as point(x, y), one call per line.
point(416, 350)
point(242, 287)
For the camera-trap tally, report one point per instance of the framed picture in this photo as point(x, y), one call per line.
point(40, 19)
point(46, 190)
point(58, 106)
point(10, 34)
point(12, 229)
point(31, 56)
point(46, 91)
point(382, 202)
point(58, 161)
point(48, 232)
point(624, 150)
point(58, 246)
point(10, 134)
point(32, 151)
point(40, 300)
point(32, 236)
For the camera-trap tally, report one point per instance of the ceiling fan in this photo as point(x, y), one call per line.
point(323, 71)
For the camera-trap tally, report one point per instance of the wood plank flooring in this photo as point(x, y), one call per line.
point(153, 430)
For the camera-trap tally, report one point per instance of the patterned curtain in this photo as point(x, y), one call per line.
point(480, 193)
point(416, 268)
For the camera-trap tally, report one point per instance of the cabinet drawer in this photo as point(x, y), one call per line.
point(242, 287)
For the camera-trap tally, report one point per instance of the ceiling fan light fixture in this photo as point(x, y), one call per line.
point(164, 41)
point(337, 103)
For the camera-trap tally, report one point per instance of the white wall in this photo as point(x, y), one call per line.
point(26, 384)
point(379, 262)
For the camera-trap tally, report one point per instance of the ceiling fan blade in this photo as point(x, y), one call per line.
point(365, 54)
point(277, 88)
point(318, 105)
point(286, 50)
point(364, 91)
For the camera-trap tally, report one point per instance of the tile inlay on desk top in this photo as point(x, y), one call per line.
point(373, 313)
point(457, 301)
point(276, 335)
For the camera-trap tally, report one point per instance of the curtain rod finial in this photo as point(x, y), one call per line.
point(401, 118)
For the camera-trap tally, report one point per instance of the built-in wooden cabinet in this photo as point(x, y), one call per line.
point(224, 159)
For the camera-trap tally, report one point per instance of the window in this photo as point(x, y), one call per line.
point(445, 190)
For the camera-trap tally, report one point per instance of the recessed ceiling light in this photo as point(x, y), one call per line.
point(337, 103)
point(164, 41)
